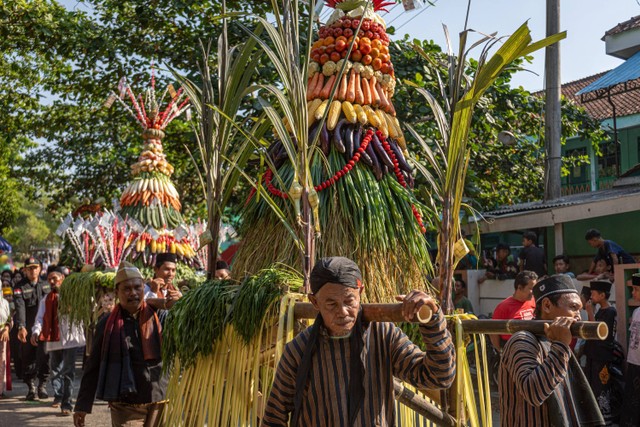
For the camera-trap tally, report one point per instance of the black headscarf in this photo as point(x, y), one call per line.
point(345, 272)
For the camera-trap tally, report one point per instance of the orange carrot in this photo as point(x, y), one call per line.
point(313, 81)
point(316, 90)
point(342, 90)
point(384, 102)
point(359, 94)
point(366, 91)
point(375, 96)
point(392, 109)
point(351, 88)
point(326, 90)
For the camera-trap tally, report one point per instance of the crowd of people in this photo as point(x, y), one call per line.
point(543, 381)
point(558, 380)
point(121, 361)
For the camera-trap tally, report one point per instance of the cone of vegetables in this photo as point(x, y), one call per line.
point(360, 169)
point(151, 197)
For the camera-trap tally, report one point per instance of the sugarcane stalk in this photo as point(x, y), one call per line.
point(421, 405)
point(584, 330)
point(371, 312)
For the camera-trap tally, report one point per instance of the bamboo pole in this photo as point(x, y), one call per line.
point(584, 330)
point(421, 405)
point(371, 312)
point(393, 313)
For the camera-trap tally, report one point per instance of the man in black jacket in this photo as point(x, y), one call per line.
point(27, 296)
point(125, 367)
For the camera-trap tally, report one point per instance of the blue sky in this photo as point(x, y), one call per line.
point(582, 52)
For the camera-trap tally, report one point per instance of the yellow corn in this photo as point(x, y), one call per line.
point(334, 115)
point(349, 112)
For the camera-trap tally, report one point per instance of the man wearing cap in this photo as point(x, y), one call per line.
point(60, 340)
point(540, 381)
point(631, 408)
point(27, 296)
point(603, 369)
point(340, 370)
point(125, 368)
point(161, 286)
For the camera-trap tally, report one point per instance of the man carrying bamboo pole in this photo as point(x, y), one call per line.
point(340, 370)
point(125, 367)
point(540, 381)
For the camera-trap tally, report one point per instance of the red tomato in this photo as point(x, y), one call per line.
point(335, 56)
point(356, 55)
point(366, 60)
point(324, 58)
point(376, 63)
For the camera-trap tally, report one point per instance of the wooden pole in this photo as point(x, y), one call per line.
point(393, 313)
point(584, 330)
point(421, 405)
point(371, 312)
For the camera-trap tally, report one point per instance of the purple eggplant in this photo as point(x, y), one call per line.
point(377, 170)
point(337, 136)
point(402, 162)
point(325, 140)
point(382, 154)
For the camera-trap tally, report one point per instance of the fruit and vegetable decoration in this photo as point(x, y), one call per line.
point(151, 197)
point(360, 171)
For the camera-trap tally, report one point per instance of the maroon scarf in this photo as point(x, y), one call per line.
point(149, 328)
point(50, 326)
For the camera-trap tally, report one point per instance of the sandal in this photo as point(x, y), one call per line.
point(65, 413)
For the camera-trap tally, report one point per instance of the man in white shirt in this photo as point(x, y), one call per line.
point(161, 286)
point(61, 341)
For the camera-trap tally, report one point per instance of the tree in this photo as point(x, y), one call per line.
point(498, 174)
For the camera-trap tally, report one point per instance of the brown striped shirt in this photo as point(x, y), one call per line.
point(527, 378)
point(387, 353)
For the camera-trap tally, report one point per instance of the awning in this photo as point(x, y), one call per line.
point(626, 72)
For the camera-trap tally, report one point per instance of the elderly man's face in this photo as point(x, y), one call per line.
point(130, 294)
point(166, 272)
point(338, 306)
point(569, 305)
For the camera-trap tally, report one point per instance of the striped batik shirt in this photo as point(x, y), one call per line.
point(528, 376)
point(387, 353)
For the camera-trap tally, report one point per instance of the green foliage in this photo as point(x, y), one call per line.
point(32, 227)
point(498, 174)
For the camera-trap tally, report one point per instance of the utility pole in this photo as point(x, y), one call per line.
point(552, 126)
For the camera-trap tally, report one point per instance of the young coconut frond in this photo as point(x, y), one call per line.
point(448, 165)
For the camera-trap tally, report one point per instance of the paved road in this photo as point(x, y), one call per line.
point(16, 411)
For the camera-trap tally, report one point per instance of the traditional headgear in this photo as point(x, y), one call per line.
point(57, 269)
point(32, 261)
point(500, 246)
point(127, 271)
point(586, 292)
point(556, 284)
point(635, 279)
point(222, 265)
point(601, 285)
point(165, 257)
point(338, 270)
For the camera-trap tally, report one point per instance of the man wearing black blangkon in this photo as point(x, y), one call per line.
point(340, 370)
point(540, 381)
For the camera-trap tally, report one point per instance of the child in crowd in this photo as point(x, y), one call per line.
point(561, 266)
point(631, 407)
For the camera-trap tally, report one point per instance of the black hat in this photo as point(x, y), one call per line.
point(600, 285)
point(32, 261)
point(500, 246)
point(165, 257)
point(635, 279)
point(586, 292)
point(556, 284)
point(58, 269)
point(222, 265)
point(338, 270)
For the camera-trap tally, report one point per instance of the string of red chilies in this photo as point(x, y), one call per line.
point(268, 176)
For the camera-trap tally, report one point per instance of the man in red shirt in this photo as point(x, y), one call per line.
point(520, 305)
